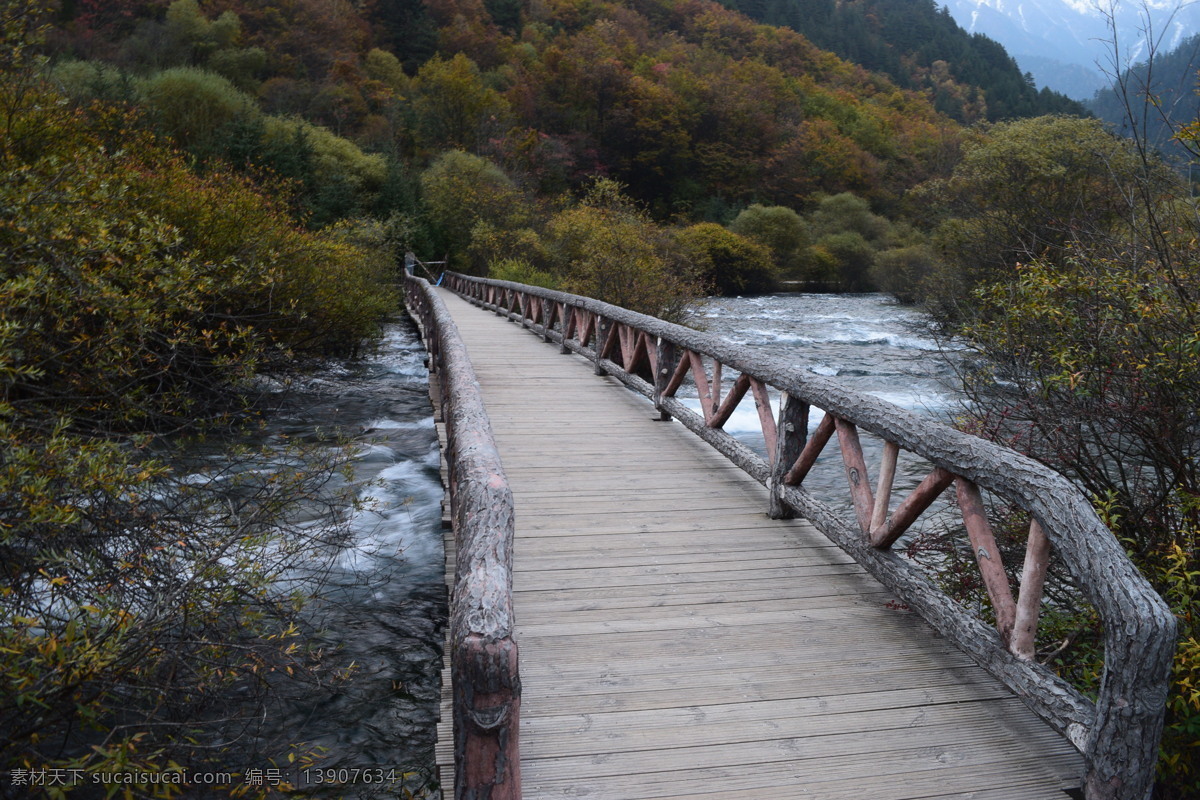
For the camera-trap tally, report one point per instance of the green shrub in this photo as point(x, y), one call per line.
point(853, 256)
point(1036, 189)
point(729, 263)
point(242, 66)
point(780, 229)
point(848, 213)
point(84, 81)
point(454, 105)
point(1177, 572)
point(339, 178)
point(610, 249)
point(191, 37)
point(490, 244)
point(382, 66)
point(141, 617)
point(460, 191)
point(193, 106)
point(518, 271)
point(901, 271)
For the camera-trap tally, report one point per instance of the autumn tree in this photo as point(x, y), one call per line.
point(462, 192)
point(1033, 189)
point(609, 248)
point(726, 262)
point(456, 108)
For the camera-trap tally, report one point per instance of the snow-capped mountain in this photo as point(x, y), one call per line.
point(1068, 44)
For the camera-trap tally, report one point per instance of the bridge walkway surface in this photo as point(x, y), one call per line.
point(675, 642)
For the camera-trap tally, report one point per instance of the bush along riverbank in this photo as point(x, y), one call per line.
point(144, 622)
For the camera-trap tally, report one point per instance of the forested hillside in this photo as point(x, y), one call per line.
point(690, 105)
point(695, 112)
point(1169, 80)
point(919, 46)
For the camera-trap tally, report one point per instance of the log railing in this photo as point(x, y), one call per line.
point(483, 653)
point(1119, 732)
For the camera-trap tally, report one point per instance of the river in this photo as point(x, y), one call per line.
point(867, 342)
point(381, 611)
point(387, 611)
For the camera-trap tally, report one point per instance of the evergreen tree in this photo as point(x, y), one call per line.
point(406, 27)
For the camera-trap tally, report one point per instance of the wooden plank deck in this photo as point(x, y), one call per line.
point(677, 643)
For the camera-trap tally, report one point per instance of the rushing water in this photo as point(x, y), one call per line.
point(387, 613)
point(866, 342)
point(381, 611)
point(869, 343)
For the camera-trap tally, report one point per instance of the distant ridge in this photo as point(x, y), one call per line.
point(1067, 44)
point(920, 46)
point(1173, 83)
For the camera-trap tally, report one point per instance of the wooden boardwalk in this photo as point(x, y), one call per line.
point(677, 643)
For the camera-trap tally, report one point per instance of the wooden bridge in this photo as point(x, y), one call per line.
point(680, 636)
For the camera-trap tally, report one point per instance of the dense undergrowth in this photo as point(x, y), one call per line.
point(145, 613)
point(1070, 265)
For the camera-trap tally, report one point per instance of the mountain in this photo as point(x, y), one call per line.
point(919, 46)
point(695, 108)
point(1171, 79)
point(1068, 44)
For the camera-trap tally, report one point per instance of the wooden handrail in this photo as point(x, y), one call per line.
point(483, 650)
point(1119, 733)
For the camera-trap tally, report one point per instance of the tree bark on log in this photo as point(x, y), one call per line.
point(484, 664)
point(792, 429)
point(1029, 598)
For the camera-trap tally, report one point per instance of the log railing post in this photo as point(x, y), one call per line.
point(812, 448)
point(487, 711)
point(856, 473)
point(604, 329)
point(585, 323)
point(883, 492)
point(762, 405)
point(547, 319)
point(566, 317)
point(714, 386)
point(1029, 598)
point(526, 310)
point(987, 555)
point(665, 368)
point(887, 532)
point(791, 434)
